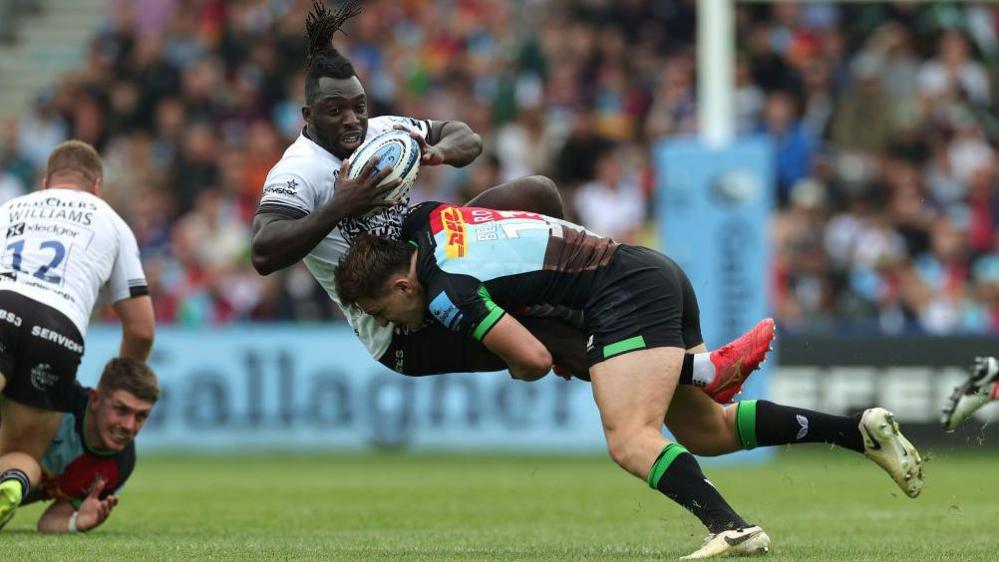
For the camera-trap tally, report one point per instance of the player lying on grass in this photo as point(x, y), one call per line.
point(311, 210)
point(63, 247)
point(467, 267)
point(93, 453)
point(981, 388)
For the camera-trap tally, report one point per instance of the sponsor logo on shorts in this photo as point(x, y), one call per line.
point(589, 344)
point(56, 337)
point(454, 232)
point(400, 362)
point(10, 317)
point(42, 376)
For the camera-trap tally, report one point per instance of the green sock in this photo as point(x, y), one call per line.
point(745, 424)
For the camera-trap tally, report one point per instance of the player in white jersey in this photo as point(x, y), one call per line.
point(310, 210)
point(61, 248)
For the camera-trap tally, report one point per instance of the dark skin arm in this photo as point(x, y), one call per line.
point(280, 241)
point(450, 142)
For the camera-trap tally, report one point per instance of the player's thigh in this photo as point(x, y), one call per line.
point(26, 428)
point(633, 390)
point(537, 194)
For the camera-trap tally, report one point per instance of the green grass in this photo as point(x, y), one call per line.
point(816, 505)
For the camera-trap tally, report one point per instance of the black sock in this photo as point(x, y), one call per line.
point(18, 475)
point(759, 422)
point(678, 476)
point(687, 369)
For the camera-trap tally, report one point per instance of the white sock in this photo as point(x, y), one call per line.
point(704, 370)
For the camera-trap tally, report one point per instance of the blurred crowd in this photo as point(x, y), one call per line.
point(883, 116)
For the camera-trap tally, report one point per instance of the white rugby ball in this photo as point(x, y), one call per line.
point(398, 150)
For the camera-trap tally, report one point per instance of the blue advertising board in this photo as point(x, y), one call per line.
point(316, 388)
point(714, 209)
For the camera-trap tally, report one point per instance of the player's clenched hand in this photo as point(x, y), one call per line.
point(94, 511)
point(430, 156)
point(359, 195)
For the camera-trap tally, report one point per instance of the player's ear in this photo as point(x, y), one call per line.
point(403, 285)
point(98, 183)
point(93, 397)
point(306, 112)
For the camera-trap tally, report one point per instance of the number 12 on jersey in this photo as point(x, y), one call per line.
point(51, 254)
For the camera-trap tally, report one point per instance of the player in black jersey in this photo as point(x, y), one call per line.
point(468, 267)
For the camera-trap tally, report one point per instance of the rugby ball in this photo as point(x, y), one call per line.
point(397, 150)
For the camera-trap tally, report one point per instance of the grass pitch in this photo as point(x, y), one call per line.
point(815, 504)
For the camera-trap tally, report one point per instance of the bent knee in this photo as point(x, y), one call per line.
point(543, 182)
point(545, 193)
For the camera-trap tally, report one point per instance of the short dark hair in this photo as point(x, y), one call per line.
point(75, 157)
point(131, 375)
point(323, 58)
point(369, 262)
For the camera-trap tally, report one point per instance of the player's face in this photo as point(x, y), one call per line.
point(339, 118)
point(399, 305)
point(119, 417)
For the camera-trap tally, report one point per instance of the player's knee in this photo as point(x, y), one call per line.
point(618, 450)
point(624, 447)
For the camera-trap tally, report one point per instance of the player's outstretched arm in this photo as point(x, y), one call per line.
point(62, 517)
point(451, 142)
point(138, 326)
point(279, 241)
point(526, 357)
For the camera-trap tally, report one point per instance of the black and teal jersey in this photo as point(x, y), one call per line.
point(476, 264)
point(70, 466)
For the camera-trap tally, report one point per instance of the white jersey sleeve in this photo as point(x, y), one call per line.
point(127, 280)
point(288, 193)
point(380, 124)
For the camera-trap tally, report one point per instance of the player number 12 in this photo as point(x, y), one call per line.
point(43, 271)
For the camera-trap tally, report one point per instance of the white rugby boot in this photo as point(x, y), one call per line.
point(885, 445)
point(981, 388)
point(751, 541)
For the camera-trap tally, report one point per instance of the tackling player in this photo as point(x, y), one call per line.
point(61, 247)
point(310, 210)
point(981, 388)
point(468, 266)
point(93, 453)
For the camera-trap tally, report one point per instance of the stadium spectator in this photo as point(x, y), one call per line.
point(192, 95)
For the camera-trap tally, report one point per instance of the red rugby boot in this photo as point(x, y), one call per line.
point(735, 361)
